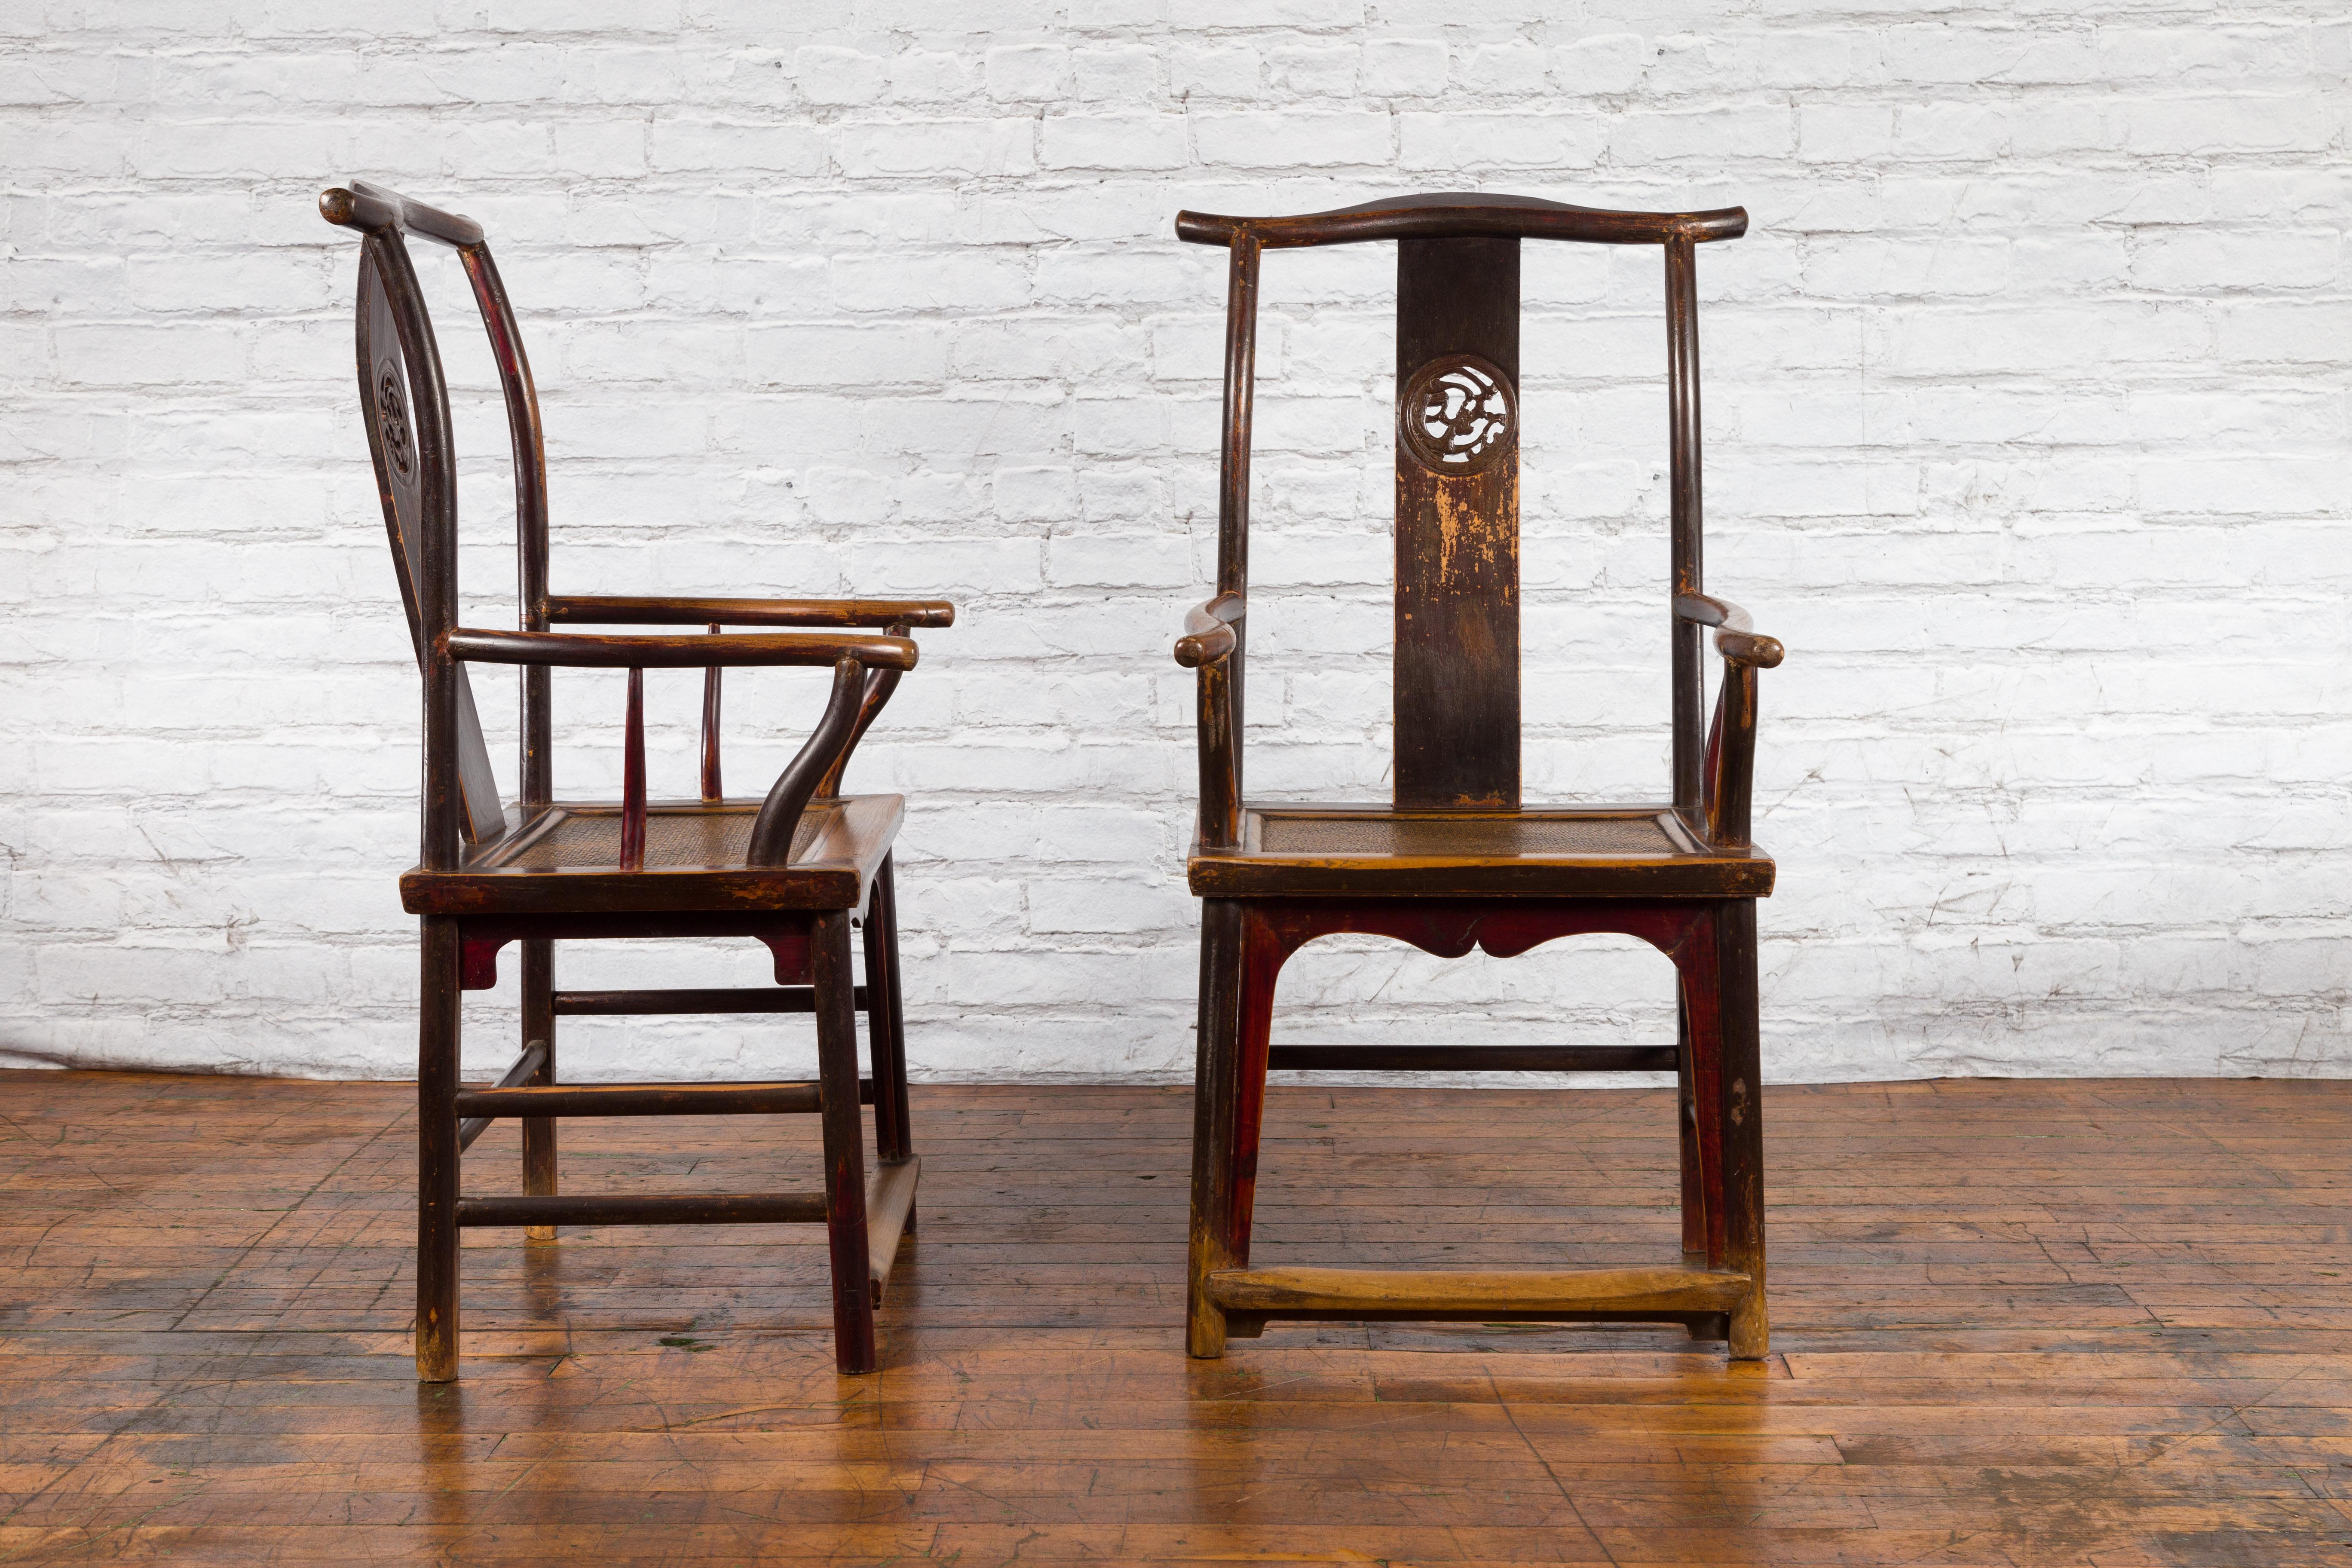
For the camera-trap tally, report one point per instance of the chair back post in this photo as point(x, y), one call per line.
point(404, 405)
point(530, 509)
point(407, 402)
point(1687, 520)
point(1222, 691)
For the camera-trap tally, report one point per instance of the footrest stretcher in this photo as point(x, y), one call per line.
point(1251, 1296)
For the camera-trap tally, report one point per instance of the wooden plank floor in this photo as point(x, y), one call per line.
point(2015, 1324)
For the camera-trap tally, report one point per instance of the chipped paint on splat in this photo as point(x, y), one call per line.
point(1475, 546)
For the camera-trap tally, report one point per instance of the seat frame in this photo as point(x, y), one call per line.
point(1458, 764)
point(816, 863)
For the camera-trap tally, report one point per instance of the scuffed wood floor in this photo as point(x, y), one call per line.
point(2015, 1324)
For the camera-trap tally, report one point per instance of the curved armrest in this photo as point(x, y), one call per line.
point(1209, 631)
point(575, 649)
point(609, 610)
point(1737, 639)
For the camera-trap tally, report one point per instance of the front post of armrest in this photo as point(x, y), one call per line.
point(879, 685)
point(1729, 769)
point(1220, 753)
point(779, 814)
point(1731, 758)
point(1211, 644)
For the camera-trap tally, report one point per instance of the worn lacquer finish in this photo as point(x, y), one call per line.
point(790, 871)
point(1456, 859)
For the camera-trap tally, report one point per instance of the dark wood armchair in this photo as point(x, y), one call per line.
point(793, 870)
point(1455, 859)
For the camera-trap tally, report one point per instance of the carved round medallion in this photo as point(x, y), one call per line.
point(392, 419)
point(1458, 414)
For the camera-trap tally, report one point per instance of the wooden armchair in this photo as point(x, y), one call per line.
point(1456, 859)
point(793, 870)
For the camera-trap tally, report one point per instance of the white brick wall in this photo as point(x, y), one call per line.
point(2027, 397)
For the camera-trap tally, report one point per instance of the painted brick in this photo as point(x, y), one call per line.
point(947, 147)
point(1404, 67)
point(1114, 141)
point(1297, 138)
point(1126, 74)
point(2024, 401)
point(828, 75)
point(1028, 73)
point(1507, 141)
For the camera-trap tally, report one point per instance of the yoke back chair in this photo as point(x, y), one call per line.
point(1455, 859)
point(793, 870)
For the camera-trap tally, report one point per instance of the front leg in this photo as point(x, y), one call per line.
point(844, 1141)
point(1216, 1089)
point(441, 1015)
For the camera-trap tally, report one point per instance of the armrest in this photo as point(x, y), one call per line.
point(581, 650)
point(609, 610)
point(1209, 631)
point(1738, 641)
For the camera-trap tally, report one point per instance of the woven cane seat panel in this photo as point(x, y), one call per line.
point(1480, 838)
point(708, 839)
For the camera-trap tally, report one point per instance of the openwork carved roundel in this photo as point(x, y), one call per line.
point(1458, 414)
point(392, 419)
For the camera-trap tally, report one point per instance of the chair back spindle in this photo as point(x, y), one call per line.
point(713, 787)
point(1686, 523)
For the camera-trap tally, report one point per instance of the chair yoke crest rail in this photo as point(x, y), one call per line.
point(1458, 858)
point(797, 869)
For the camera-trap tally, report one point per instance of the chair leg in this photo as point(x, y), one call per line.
point(1742, 1119)
point(539, 1163)
point(1686, 1139)
point(440, 1018)
point(1698, 962)
point(886, 1033)
point(844, 1141)
point(1239, 961)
